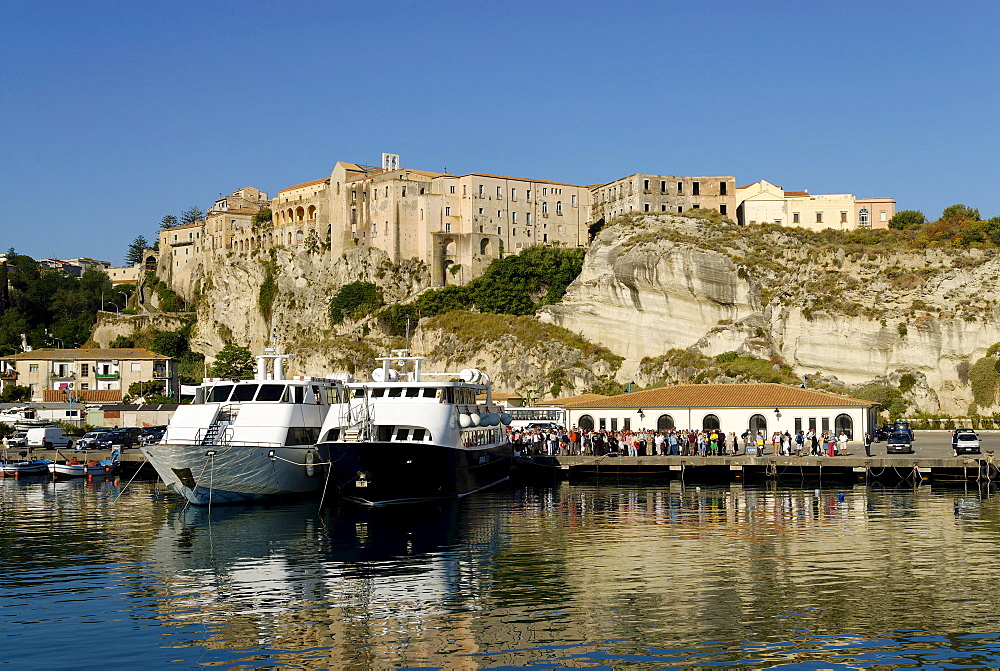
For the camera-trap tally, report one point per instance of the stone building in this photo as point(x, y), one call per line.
point(763, 202)
point(45, 371)
point(662, 194)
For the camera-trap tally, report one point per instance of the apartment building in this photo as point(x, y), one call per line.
point(663, 194)
point(51, 373)
point(763, 202)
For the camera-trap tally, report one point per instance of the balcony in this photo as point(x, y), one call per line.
point(106, 376)
point(8, 374)
point(162, 375)
point(55, 375)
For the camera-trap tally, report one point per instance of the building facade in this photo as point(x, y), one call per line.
point(763, 202)
point(663, 194)
point(85, 370)
point(733, 408)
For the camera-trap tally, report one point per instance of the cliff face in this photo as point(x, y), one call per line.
point(652, 284)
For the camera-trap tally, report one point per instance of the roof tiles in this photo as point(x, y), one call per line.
point(755, 395)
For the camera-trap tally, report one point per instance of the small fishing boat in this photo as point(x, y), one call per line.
point(74, 468)
point(19, 468)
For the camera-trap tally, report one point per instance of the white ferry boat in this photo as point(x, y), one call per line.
point(407, 438)
point(244, 440)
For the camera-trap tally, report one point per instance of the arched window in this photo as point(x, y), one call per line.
point(758, 423)
point(710, 422)
point(558, 207)
point(586, 422)
point(844, 423)
point(545, 208)
point(311, 212)
point(448, 247)
point(664, 423)
point(484, 246)
point(864, 220)
point(298, 236)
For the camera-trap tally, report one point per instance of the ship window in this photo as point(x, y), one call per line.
point(395, 392)
point(384, 433)
point(412, 392)
point(302, 435)
point(220, 393)
point(332, 434)
point(402, 434)
point(244, 392)
point(300, 394)
point(270, 392)
point(378, 393)
point(430, 392)
point(418, 434)
point(359, 392)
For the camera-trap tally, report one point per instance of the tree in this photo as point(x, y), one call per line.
point(962, 211)
point(169, 221)
point(135, 251)
point(907, 219)
point(354, 300)
point(233, 361)
point(192, 214)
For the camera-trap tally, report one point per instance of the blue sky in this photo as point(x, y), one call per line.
point(117, 113)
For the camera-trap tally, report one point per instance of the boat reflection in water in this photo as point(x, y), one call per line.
point(583, 574)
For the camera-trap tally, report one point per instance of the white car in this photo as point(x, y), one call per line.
point(965, 441)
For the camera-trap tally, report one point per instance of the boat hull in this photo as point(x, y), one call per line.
point(378, 473)
point(104, 468)
point(236, 473)
point(26, 468)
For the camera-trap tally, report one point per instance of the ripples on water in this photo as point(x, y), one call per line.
point(621, 575)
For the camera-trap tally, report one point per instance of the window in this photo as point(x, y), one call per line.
point(573, 200)
point(499, 192)
point(451, 189)
point(722, 209)
point(33, 368)
point(480, 210)
point(722, 188)
point(819, 217)
point(601, 424)
point(758, 423)
point(882, 215)
point(545, 237)
point(513, 231)
point(710, 422)
point(663, 208)
point(645, 207)
point(645, 184)
point(513, 194)
point(421, 214)
point(85, 385)
point(843, 217)
point(680, 208)
point(527, 194)
point(447, 211)
point(447, 228)
point(499, 213)
point(680, 188)
point(85, 369)
point(136, 367)
point(513, 217)
point(663, 186)
point(627, 424)
point(695, 206)
point(480, 190)
point(795, 217)
point(558, 207)
point(463, 189)
point(695, 188)
point(404, 192)
point(863, 220)
point(527, 218)
point(664, 423)
point(586, 422)
point(545, 208)
point(545, 191)
point(614, 423)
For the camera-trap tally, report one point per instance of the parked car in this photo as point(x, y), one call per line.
point(904, 427)
point(965, 441)
point(48, 437)
point(88, 440)
point(19, 439)
point(120, 438)
point(880, 433)
point(899, 443)
point(150, 435)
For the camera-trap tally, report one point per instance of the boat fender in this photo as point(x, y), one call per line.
point(506, 418)
point(464, 420)
point(490, 419)
point(310, 469)
point(476, 418)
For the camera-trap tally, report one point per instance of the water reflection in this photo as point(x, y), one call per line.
point(622, 574)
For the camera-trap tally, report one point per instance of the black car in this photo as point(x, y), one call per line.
point(899, 442)
point(880, 433)
point(117, 438)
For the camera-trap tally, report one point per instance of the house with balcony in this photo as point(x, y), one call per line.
point(99, 375)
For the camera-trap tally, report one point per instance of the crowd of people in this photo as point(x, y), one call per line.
point(679, 442)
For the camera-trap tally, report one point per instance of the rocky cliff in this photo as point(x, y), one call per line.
point(850, 306)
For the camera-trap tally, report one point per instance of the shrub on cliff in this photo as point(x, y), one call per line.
point(519, 285)
point(354, 300)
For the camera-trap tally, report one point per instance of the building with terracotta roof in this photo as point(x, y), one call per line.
point(766, 407)
point(763, 202)
point(83, 371)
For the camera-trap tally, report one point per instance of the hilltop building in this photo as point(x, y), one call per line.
point(458, 224)
point(763, 202)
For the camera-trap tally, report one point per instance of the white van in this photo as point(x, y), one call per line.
point(48, 437)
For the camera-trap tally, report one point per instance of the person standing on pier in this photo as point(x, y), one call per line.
point(868, 444)
point(842, 442)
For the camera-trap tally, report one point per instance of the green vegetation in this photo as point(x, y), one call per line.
point(51, 308)
point(13, 393)
point(907, 219)
point(169, 301)
point(984, 380)
point(175, 344)
point(687, 367)
point(268, 288)
point(355, 300)
point(262, 217)
point(233, 361)
point(890, 398)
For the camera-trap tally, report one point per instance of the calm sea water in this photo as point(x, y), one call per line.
point(592, 575)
